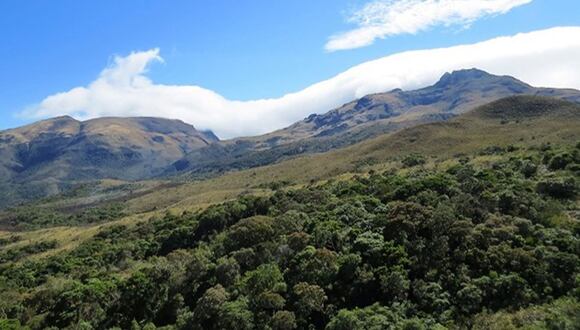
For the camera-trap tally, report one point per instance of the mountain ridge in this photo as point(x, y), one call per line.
point(44, 157)
point(367, 117)
point(49, 156)
point(486, 131)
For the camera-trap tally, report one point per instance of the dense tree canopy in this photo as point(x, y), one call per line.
point(416, 248)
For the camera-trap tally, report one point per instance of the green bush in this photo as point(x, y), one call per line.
point(413, 160)
point(559, 187)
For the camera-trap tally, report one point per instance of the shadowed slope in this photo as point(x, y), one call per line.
point(38, 159)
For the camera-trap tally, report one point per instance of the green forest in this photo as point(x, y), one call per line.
point(458, 245)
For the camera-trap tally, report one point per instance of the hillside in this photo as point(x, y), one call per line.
point(370, 116)
point(470, 223)
point(45, 157)
point(466, 134)
point(469, 133)
point(486, 130)
point(57, 155)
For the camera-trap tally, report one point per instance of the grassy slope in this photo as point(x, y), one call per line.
point(511, 124)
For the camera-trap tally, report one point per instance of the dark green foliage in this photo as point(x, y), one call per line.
point(561, 314)
point(235, 315)
point(10, 324)
point(413, 160)
point(309, 298)
point(249, 232)
point(18, 253)
point(493, 150)
point(9, 240)
point(559, 188)
point(208, 306)
point(373, 317)
point(79, 302)
point(284, 320)
point(30, 217)
point(528, 168)
point(421, 250)
point(560, 161)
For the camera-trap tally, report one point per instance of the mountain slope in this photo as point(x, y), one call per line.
point(524, 122)
point(521, 121)
point(40, 158)
point(370, 116)
point(48, 157)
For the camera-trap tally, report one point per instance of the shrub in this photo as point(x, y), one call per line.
point(560, 161)
point(558, 188)
point(413, 160)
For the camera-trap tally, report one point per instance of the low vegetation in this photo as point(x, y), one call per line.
point(29, 217)
point(470, 242)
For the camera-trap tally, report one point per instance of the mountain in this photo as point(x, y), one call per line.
point(367, 117)
point(488, 131)
point(51, 156)
point(41, 158)
point(520, 121)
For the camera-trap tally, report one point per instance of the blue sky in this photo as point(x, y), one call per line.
point(243, 50)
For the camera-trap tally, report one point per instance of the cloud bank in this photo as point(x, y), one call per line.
point(384, 18)
point(542, 58)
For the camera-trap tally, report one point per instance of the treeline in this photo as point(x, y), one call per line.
point(417, 248)
point(30, 217)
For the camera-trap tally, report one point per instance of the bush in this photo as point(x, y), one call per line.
point(558, 188)
point(392, 250)
point(560, 161)
point(413, 160)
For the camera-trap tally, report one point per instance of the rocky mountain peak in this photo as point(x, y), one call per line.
point(460, 76)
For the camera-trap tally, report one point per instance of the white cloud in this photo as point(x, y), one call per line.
point(543, 58)
point(384, 18)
